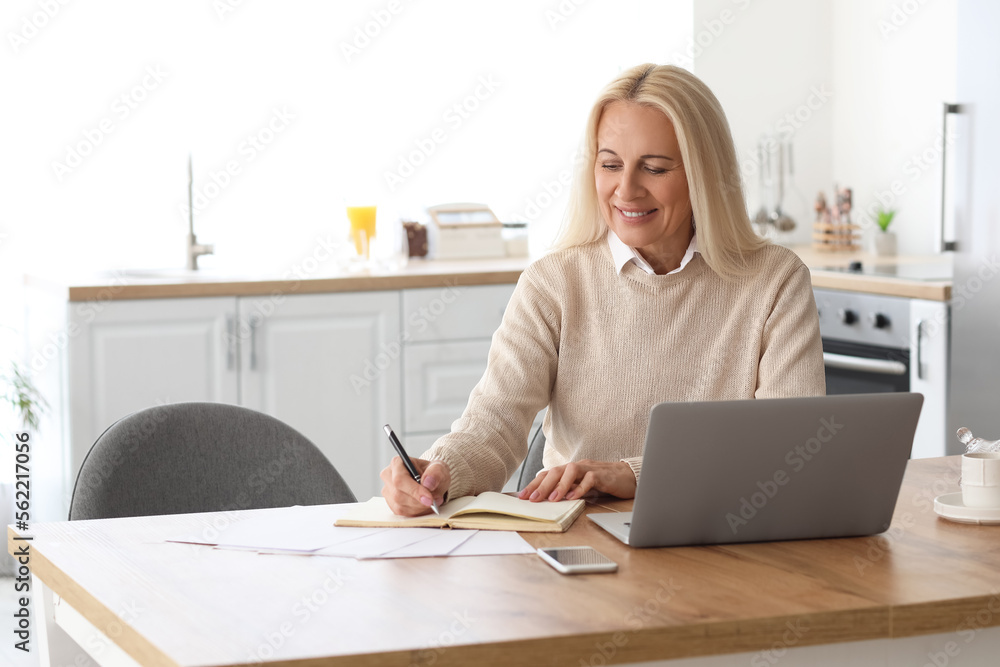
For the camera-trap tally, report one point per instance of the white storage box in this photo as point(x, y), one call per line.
point(465, 231)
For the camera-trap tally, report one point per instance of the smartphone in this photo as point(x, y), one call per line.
point(577, 560)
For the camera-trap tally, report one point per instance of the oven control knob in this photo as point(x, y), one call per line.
point(880, 321)
point(848, 316)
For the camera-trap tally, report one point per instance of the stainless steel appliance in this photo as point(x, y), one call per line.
point(866, 342)
point(974, 200)
point(874, 343)
point(931, 270)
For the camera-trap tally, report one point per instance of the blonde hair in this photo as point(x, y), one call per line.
point(725, 236)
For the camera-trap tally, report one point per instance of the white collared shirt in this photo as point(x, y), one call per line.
point(623, 254)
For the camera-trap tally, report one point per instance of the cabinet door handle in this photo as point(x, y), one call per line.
point(253, 323)
point(880, 366)
point(230, 342)
point(949, 109)
point(920, 348)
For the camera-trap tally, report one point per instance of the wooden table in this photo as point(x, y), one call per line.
point(171, 604)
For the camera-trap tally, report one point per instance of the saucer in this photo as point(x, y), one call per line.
point(950, 506)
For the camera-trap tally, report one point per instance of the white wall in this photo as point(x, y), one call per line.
point(771, 69)
point(358, 106)
point(895, 64)
point(888, 66)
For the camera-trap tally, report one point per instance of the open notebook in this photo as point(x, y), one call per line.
point(487, 511)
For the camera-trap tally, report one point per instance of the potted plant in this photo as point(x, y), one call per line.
point(17, 390)
point(885, 241)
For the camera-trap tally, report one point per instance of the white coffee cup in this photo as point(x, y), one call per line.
point(981, 479)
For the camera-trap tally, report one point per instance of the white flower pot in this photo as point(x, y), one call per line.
point(885, 244)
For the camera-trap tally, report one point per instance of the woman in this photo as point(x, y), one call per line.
point(658, 290)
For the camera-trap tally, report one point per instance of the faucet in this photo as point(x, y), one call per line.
point(194, 249)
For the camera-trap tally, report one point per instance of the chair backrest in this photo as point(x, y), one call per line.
point(533, 461)
point(201, 457)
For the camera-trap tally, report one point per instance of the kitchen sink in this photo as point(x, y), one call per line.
point(138, 275)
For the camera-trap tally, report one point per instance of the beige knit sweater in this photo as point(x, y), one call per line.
point(600, 349)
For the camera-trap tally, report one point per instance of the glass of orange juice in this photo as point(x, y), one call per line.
point(362, 219)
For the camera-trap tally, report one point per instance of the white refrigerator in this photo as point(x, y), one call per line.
point(974, 199)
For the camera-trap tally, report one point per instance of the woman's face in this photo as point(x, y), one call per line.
point(642, 189)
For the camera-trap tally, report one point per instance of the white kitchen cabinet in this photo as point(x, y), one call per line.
point(446, 340)
point(454, 313)
point(124, 356)
point(335, 367)
point(929, 331)
point(447, 335)
point(303, 359)
point(417, 444)
point(327, 365)
point(438, 380)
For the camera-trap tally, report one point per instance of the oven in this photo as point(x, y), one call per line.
point(877, 343)
point(866, 341)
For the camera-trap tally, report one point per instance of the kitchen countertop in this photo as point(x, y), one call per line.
point(824, 265)
point(176, 283)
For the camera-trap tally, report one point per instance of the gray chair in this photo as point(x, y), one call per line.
point(201, 457)
point(533, 461)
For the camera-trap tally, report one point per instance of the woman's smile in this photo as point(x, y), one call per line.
point(633, 215)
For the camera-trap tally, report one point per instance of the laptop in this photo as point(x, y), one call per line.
point(769, 469)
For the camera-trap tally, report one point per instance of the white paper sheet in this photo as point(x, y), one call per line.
point(300, 528)
point(494, 543)
point(428, 542)
point(379, 544)
point(441, 544)
point(306, 531)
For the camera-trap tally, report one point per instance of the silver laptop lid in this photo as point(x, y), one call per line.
point(772, 469)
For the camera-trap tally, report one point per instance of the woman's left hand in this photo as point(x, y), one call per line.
point(571, 481)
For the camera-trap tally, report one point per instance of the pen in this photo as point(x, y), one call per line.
point(398, 446)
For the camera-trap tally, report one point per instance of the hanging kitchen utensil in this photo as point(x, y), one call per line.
point(761, 218)
point(782, 221)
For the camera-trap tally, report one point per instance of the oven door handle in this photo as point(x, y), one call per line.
point(882, 366)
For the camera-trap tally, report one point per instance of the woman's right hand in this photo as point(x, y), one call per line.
point(408, 498)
